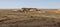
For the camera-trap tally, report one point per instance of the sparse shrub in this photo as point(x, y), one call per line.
point(58, 24)
point(31, 16)
point(44, 18)
point(4, 16)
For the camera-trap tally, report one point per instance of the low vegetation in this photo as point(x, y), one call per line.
point(25, 18)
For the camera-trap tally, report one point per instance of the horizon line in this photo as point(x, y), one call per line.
point(23, 7)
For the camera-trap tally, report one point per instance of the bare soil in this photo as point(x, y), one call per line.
point(21, 19)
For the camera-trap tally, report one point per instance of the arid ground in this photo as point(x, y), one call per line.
point(9, 18)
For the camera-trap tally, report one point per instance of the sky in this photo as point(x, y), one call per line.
point(29, 3)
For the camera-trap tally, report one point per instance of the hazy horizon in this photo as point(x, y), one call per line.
point(7, 4)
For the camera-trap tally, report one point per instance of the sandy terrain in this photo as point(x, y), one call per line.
point(21, 19)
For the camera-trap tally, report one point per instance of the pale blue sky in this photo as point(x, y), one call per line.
point(30, 3)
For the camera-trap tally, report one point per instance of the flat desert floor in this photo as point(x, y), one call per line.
point(20, 19)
